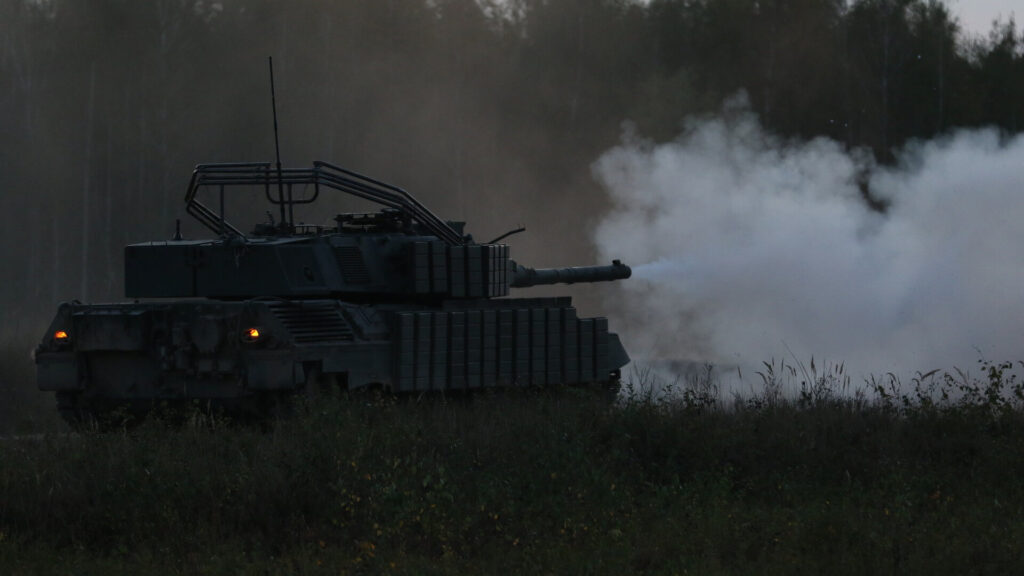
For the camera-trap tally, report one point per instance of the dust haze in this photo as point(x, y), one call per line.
point(495, 112)
point(107, 106)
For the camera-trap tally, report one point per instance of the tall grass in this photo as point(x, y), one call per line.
point(541, 483)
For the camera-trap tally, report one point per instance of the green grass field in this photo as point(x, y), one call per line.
point(887, 482)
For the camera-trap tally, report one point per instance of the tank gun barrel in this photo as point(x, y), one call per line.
point(523, 276)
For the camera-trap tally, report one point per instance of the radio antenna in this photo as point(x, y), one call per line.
point(277, 146)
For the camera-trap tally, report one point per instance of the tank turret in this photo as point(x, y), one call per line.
point(397, 298)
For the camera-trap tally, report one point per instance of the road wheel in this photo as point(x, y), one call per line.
point(85, 414)
point(74, 409)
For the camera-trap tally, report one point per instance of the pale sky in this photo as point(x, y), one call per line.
point(976, 16)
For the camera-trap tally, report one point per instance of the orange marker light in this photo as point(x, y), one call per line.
point(60, 335)
point(253, 333)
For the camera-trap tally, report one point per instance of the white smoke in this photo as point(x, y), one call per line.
point(747, 247)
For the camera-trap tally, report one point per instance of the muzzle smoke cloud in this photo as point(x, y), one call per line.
point(747, 247)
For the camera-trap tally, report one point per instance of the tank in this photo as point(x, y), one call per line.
point(396, 299)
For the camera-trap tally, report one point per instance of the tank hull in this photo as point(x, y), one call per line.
point(144, 353)
point(396, 299)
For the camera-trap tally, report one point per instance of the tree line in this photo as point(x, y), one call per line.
point(489, 110)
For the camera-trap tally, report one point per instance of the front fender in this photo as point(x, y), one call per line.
point(57, 371)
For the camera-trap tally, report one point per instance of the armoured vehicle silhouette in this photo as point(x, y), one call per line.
point(396, 298)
